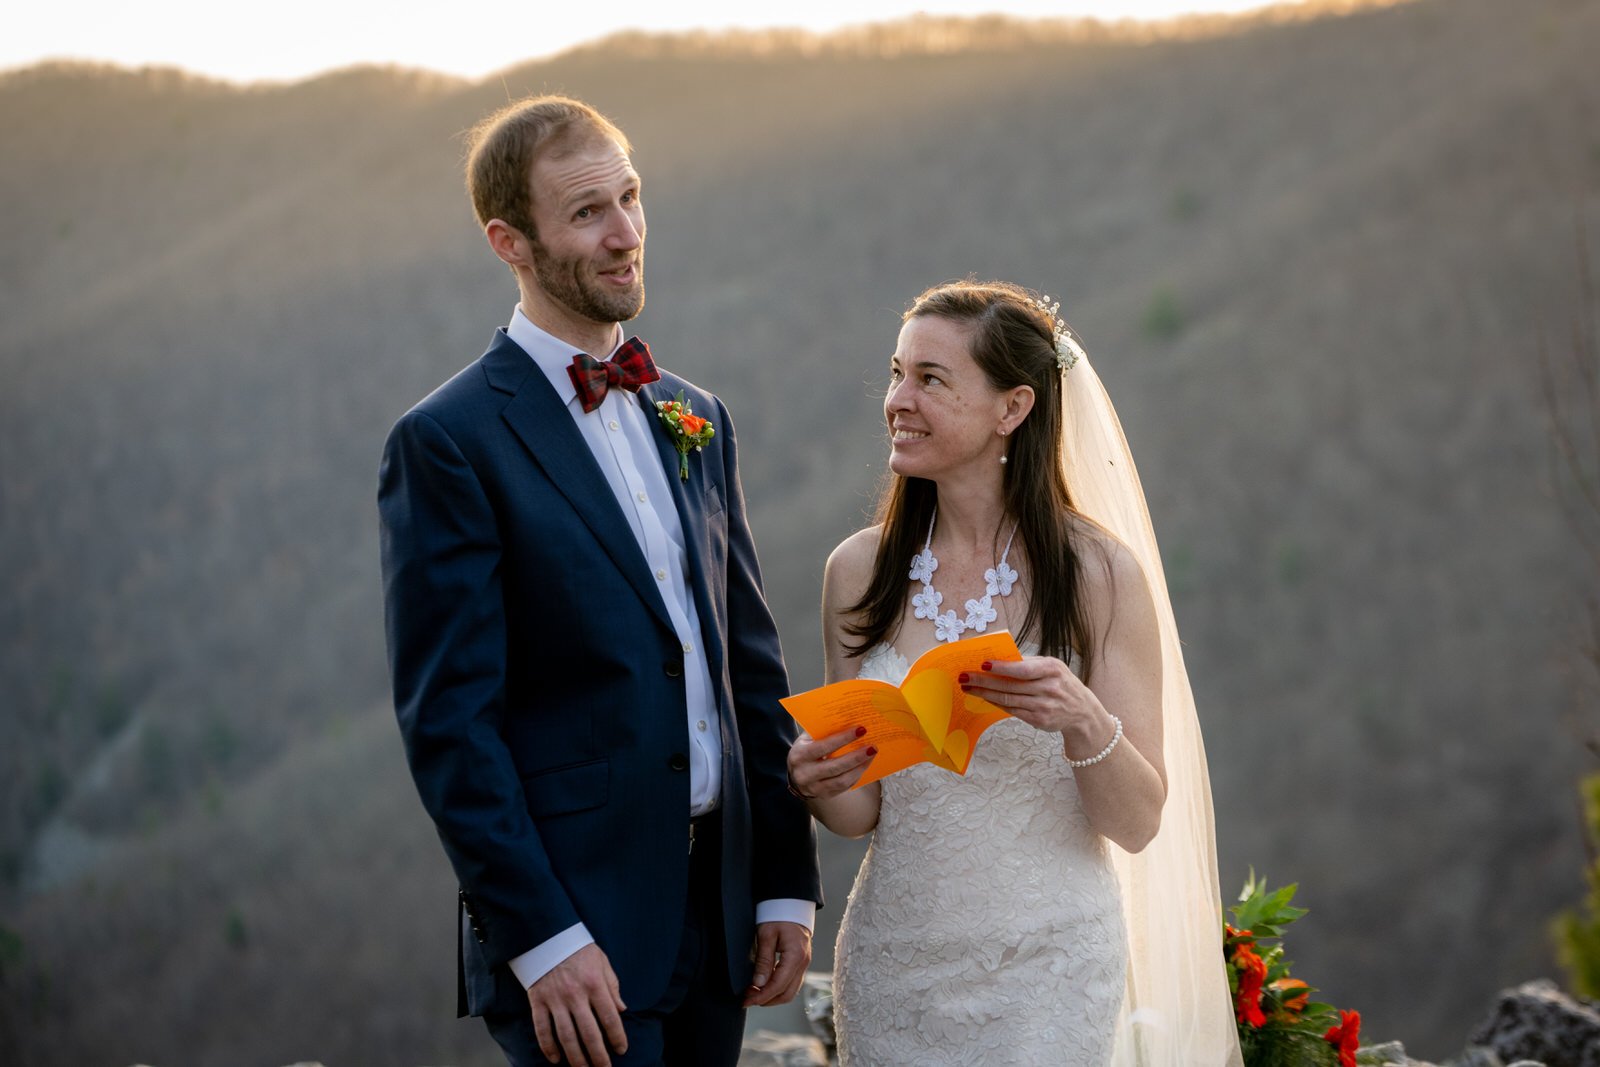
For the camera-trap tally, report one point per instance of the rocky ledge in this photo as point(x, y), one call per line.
point(1533, 1025)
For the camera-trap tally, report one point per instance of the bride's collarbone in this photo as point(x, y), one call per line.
point(916, 636)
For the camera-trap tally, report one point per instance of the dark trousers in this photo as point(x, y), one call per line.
point(699, 1020)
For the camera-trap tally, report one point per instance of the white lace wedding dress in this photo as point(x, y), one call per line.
point(985, 926)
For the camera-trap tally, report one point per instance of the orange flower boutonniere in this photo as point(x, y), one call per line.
point(687, 430)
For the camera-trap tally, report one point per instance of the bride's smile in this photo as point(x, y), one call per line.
point(941, 410)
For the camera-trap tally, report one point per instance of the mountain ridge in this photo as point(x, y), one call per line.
point(1312, 263)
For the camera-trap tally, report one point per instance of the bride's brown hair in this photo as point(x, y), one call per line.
point(1013, 343)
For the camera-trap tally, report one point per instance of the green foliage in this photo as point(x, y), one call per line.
point(1163, 318)
point(50, 789)
point(1184, 205)
point(221, 741)
point(10, 949)
point(157, 762)
point(234, 932)
point(211, 798)
point(1577, 933)
point(1179, 564)
point(1265, 914)
point(60, 694)
point(1273, 1047)
point(1293, 563)
point(111, 710)
point(1279, 1024)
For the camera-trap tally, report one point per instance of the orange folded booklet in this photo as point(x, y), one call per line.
point(928, 719)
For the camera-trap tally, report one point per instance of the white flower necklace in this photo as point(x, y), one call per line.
point(980, 613)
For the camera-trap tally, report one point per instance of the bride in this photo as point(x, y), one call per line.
point(1058, 904)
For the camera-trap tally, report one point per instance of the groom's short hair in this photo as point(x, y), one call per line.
point(503, 148)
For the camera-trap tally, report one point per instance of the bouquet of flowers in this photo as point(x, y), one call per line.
point(1279, 1024)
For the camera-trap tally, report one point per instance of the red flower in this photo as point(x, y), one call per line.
point(692, 424)
point(1293, 1003)
point(1345, 1037)
point(1252, 973)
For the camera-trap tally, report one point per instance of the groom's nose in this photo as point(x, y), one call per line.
point(627, 231)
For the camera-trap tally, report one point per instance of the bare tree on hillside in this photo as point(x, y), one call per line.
point(1572, 401)
point(1571, 385)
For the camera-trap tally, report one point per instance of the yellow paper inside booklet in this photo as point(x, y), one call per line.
point(928, 719)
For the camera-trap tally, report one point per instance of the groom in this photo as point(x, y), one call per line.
point(585, 673)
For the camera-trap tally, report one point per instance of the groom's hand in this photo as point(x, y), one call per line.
point(576, 1010)
point(783, 952)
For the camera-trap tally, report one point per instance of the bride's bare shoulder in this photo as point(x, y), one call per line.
point(1112, 575)
point(849, 568)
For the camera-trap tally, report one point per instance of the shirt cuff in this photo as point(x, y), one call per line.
point(800, 912)
point(540, 960)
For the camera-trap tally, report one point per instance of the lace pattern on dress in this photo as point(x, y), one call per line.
point(985, 925)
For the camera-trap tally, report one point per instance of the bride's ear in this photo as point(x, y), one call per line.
point(1018, 402)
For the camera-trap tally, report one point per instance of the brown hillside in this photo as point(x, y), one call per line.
point(1314, 262)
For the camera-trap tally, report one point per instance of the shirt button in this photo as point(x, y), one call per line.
point(661, 575)
point(701, 726)
point(641, 496)
point(613, 424)
point(687, 647)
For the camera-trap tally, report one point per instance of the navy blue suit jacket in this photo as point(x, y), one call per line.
point(539, 686)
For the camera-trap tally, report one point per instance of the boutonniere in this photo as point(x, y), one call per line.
point(686, 429)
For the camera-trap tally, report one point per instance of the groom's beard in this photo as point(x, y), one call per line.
point(573, 282)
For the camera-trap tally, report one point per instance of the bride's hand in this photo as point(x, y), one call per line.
point(1044, 693)
point(815, 773)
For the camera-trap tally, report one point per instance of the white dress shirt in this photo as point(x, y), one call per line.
point(620, 434)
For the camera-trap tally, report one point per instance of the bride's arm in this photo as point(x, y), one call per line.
point(825, 780)
point(1123, 791)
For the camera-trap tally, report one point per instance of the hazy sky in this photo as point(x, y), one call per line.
point(287, 39)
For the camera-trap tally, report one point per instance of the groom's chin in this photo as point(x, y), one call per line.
point(627, 304)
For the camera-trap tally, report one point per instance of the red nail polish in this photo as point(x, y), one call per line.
point(988, 666)
point(964, 678)
point(872, 750)
point(861, 731)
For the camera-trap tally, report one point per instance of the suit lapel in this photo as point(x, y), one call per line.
point(689, 498)
point(539, 419)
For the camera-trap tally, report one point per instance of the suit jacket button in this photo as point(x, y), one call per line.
point(678, 762)
point(673, 669)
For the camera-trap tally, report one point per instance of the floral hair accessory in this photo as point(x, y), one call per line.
point(686, 429)
point(1068, 351)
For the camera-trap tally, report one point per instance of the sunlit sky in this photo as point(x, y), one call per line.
point(288, 39)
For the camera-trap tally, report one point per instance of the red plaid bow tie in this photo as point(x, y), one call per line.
point(630, 368)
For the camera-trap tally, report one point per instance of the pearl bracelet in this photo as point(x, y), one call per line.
point(1104, 752)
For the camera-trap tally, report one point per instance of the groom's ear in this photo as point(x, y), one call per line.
point(509, 243)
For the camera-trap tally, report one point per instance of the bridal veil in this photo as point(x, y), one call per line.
point(1178, 1011)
